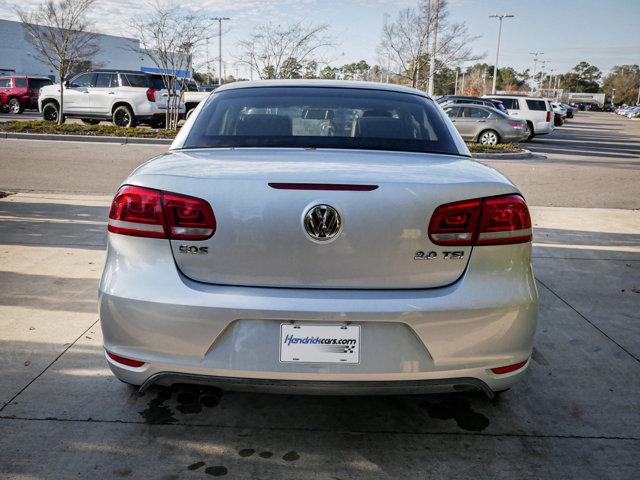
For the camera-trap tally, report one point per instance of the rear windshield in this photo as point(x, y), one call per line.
point(313, 117)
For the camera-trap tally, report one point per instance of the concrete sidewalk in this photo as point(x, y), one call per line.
point(577, 413)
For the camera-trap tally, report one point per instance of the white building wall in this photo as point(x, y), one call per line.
point(17, 54)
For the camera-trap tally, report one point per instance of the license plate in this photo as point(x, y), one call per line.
point(301, 343)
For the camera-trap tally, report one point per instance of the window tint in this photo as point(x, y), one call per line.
point(135, 80)
point(38, 83)
point(84, 80)
point(538, 105)
point(510, 103)
point(311, 117)
point(21, 82)
point(5, 83)
point(452, 111)
point(471, 112)
point(106, 80)
point(156, 81)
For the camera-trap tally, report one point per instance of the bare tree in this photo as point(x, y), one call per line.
point(409, 42)
point(59, 33)
point(169, 36)
point(270, 48)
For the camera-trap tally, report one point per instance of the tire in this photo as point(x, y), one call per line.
point(50, 112)
point(489, 137)
point(531, 132)
point(14, 106)
point(123, 117)
point(90, 121)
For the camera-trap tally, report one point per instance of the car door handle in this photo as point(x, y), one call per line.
point(85, 91)
point(481, 121)
point(111, 93)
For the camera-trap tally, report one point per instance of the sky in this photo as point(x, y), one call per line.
point(602, 32)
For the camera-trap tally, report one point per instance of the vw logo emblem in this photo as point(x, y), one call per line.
point(322, 222)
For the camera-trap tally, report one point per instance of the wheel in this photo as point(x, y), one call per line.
point(14, 106)
point(489, 137)
point(50, 112)
point(90, 121)
point(531, 132)
point(123, 117)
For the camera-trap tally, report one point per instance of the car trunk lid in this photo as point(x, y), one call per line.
point(260, 198)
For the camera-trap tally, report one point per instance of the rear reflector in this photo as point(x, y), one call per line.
point(144, 212)
point(509, 368)
point(484, 221)
point(124, 361)
point(323, 186)
point(549, 115)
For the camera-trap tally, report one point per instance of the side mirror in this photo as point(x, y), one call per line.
point(66, 84)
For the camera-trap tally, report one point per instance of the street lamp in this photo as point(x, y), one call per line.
point(495, 66)
point(535, 62)
point(220, 20)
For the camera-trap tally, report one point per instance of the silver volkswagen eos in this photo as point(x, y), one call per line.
point(319, 237)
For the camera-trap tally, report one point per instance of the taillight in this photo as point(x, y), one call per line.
point(188, 218)
point(548, 116)
point(455, 223)
point(137, 211)
point(144, 212)
point(515, 124)
point(151, 94)
point(504, 220)
point(486, 221)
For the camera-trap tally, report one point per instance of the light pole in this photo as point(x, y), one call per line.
point(432, 59)
point(495, 66)
point(220, 20)
point(535, 62)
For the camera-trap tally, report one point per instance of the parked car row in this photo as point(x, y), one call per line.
point(20, 92)
point(493, 119)
point(628, 111)
point(124, 97)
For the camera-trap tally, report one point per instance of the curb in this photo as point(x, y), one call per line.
point(504, 156)
point(86, 138)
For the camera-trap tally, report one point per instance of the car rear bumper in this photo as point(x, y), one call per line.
point(413, 340)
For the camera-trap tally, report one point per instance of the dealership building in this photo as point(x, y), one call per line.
point(18, 57)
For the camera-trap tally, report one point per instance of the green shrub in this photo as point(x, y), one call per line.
point(41, 126)
point(498, 148)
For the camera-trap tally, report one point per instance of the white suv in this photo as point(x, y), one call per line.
point(125, 97)
point(536, 111)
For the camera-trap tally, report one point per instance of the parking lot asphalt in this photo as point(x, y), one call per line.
point(63, 415)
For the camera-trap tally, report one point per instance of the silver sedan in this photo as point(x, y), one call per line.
point(486, 125)
point(319, 237)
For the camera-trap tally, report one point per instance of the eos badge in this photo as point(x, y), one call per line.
point(193, 250)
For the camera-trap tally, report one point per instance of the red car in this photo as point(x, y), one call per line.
point(20, 92)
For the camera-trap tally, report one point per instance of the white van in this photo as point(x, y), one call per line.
point(536, 111)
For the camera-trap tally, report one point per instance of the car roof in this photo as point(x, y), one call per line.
point(526, 97)
point(38, 77)
point(322, 84)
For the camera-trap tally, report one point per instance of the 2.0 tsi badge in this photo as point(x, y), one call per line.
point(322, 222)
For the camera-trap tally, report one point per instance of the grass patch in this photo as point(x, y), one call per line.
point(499, 148)
point(41, 126)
